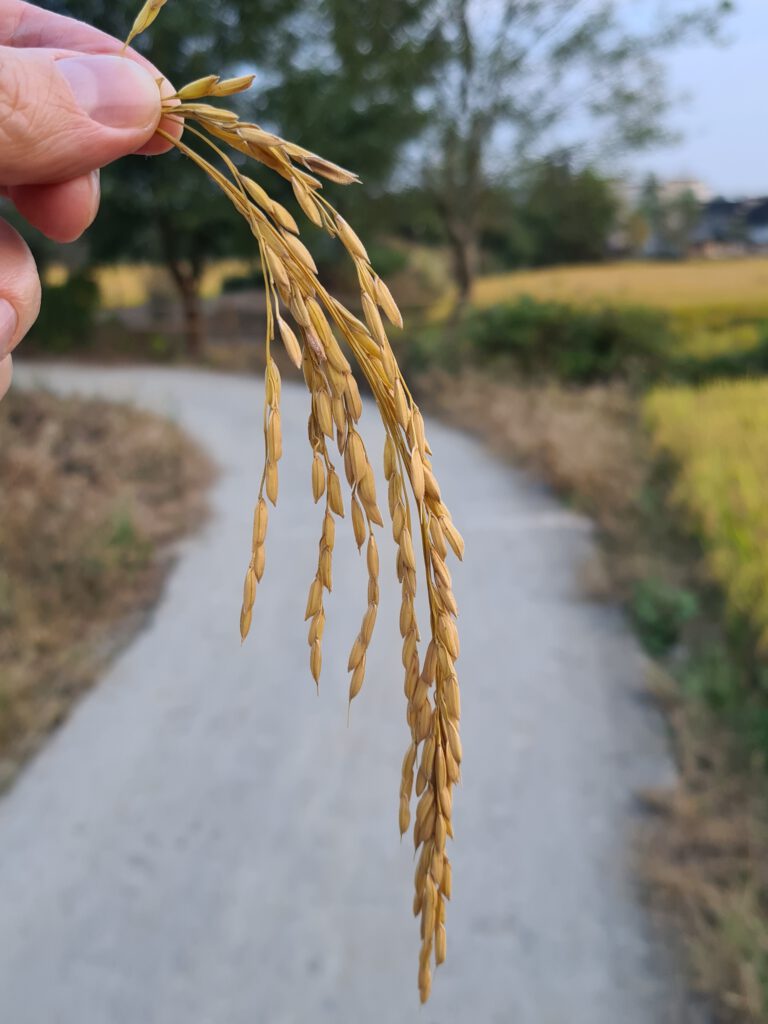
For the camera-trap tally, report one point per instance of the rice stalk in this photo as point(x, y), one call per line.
point(311, 323)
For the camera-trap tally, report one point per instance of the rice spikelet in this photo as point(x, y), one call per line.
point(319, 334)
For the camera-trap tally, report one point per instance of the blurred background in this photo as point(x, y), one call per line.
point(569, 200)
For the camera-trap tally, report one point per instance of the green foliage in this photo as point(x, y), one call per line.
point(582, 344)
point(387, 259)
point(724, 365)
point(503, 95)
point(718, 676)
point(350, 84)
point(125, 544)
point(340, 76)
point(159, 347)
point(659, 612)
point(338, 271)
point(163, 210)
point(713, 676)
point(567, 213)
point(703, 341)
point(669, 222)
point(555, 214)
point(574, 344)
point(66, 315)
point(242, 282)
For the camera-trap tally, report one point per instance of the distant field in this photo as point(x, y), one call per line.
point(132, 284)
point(738, 286)
point(711, 294)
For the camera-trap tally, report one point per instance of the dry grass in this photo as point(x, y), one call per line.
point(583, 442)
point(703, 857)
point(91, 496)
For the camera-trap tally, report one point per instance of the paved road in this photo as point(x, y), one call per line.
point(206, 842)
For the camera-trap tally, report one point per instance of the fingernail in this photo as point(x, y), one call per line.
point(115, 91)
point(6, 373)
point(96, 195)
point(9, 321)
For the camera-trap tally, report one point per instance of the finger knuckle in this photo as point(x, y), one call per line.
point(10, 98)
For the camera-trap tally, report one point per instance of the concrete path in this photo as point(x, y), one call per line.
point(206, 842)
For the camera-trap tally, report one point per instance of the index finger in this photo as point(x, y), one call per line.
point(24, 25)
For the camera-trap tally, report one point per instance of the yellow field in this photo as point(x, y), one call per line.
point(731, 285)
point(718, 438)
point(132, 284)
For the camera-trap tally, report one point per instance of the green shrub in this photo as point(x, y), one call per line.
point(66, 316)
point(243, 282)
point(577, 345)
point(387, 260)
point(705, 342)
point(749, 362)
point(713, 676)
point(659, 611)
point(737, 693)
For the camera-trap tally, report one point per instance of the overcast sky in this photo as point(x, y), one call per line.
point(725, 118)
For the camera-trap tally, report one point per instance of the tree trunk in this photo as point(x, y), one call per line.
point(186, 276)
point(462, 238)
point(462, 235)
point(464, 252)
point(194, 327)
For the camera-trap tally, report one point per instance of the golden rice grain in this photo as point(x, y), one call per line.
point(231, 86)
point(358, 522)
point(199, 88)
point(318, 478)
point(144, 19)
point(290, 341)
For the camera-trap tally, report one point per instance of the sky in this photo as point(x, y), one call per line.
point(723, 119)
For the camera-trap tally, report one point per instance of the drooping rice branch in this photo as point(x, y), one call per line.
point(311, 323)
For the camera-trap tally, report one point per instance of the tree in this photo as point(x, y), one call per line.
point(163, 209)
point(671, 218)
point(526, 78)
point(568, 213)
point(340, 76)
point(352, 73)
point(651, 209)
point(683, 215)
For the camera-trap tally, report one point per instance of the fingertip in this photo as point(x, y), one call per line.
point(62, 212)
point(170, 125)
point(19, 285)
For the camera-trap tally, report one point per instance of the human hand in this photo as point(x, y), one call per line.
point(69, 104)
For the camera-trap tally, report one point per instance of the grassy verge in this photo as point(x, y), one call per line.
point(704, 850)
point(91, 497)
point(581, 440)
point(681, 520)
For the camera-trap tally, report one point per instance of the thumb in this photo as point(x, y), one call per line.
point(64, 114)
